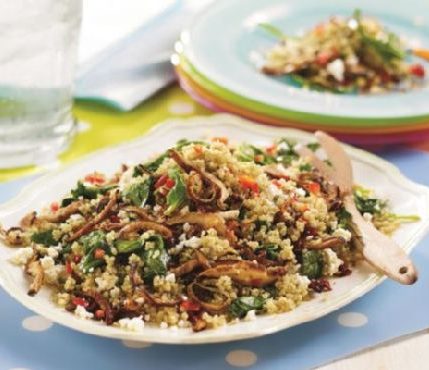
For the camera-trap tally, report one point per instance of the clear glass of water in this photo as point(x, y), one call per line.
point(38, 53)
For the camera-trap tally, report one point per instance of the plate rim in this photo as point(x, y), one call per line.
point(367, 285)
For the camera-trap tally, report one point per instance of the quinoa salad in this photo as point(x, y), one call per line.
point(345, 55)
point(205, 234)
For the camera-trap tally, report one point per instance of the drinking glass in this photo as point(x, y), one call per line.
point(38, 55)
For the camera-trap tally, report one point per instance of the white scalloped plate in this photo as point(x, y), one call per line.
point(405, 196)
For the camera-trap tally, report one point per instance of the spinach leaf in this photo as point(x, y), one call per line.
point(286, 151)
point(313, 146)
point(249, 153)
point(89, 192)
point(128, 246)
point(272, 30)
point(344, 218)
point(139, 193)
point(153, 165)
point(176, 197)
point(242, 305)
point(367, 205)
point(44, 237)
point(155, 259)
point(91, 242)
point(305, 167)
point(312, 264)
point(271, 251)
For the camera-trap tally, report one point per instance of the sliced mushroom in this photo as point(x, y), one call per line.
point(156, 301)
point(199, 191)
point(207, 220)
point(329, 242)
point(89, 226)
point(211, 307)
point(140, 212)
point(245, 273)
point(200, 261)
point(222, 193)
point(28, 220)
point(63, 213)
point(13, 237)
point(277, 171)
point(135, 227)
point(35, 270)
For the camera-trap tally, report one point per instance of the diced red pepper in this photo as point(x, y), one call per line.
point(313, 187)
point(99, 253)
point(95, 178)
point(417, 70)
point(161, 181)
point(198, 149)
point(79, 301)
point(323, 58)
point(248, 183)
point(190, 305)
point(259, 158)
point(271, 150)
point(169, 183)
point(54, 206)
point(69, 268)
point(99, 314)
point(223, 140)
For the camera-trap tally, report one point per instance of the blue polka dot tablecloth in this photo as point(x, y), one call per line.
point(31, 342)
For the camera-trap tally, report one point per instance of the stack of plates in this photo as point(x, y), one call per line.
point(217, 58)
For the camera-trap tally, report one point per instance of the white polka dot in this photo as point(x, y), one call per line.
point(181, 108)
point(241, 358)
point(352, 319)
point(36, 323)
point(135, 344)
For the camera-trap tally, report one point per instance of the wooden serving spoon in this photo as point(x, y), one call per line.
point(377, 249)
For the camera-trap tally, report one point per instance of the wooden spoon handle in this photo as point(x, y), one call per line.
point(380, 251)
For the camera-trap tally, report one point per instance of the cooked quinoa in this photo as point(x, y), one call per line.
point(204, 234)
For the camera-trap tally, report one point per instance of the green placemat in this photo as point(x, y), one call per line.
point(101, 126)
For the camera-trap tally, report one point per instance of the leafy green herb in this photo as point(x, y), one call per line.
point(312, 264)
point(242, 213)
point(66, 201)
point(313, 146)
point(272, 290)
point(344, 218)
point(184, 142)
point(249, 153)
point(91, 242)
point(272, 30)
point(139, 193)
point(176, 197)
point(128, 246)
point(305, 167)
point(89, 192)
point(242, 305)
point(271, 250)
point(44, 237)
point(155, 259)
point(138, 170)
point(153, 165)
point(286, 151)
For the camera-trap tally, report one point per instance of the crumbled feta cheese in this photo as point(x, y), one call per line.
point(303, 281)
point(82, 313)
point(300, 191)
point(274, 191)
point(163, 325)
point(186, 227)
point(250, 316)
point(332, 262)
point(139, 300)
point(50, 270)
point(367, 217)
point(343, 233)
point(22, 256)
point(193, 242)
point(171, 278)
point(134, 324)
point(336, 69)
